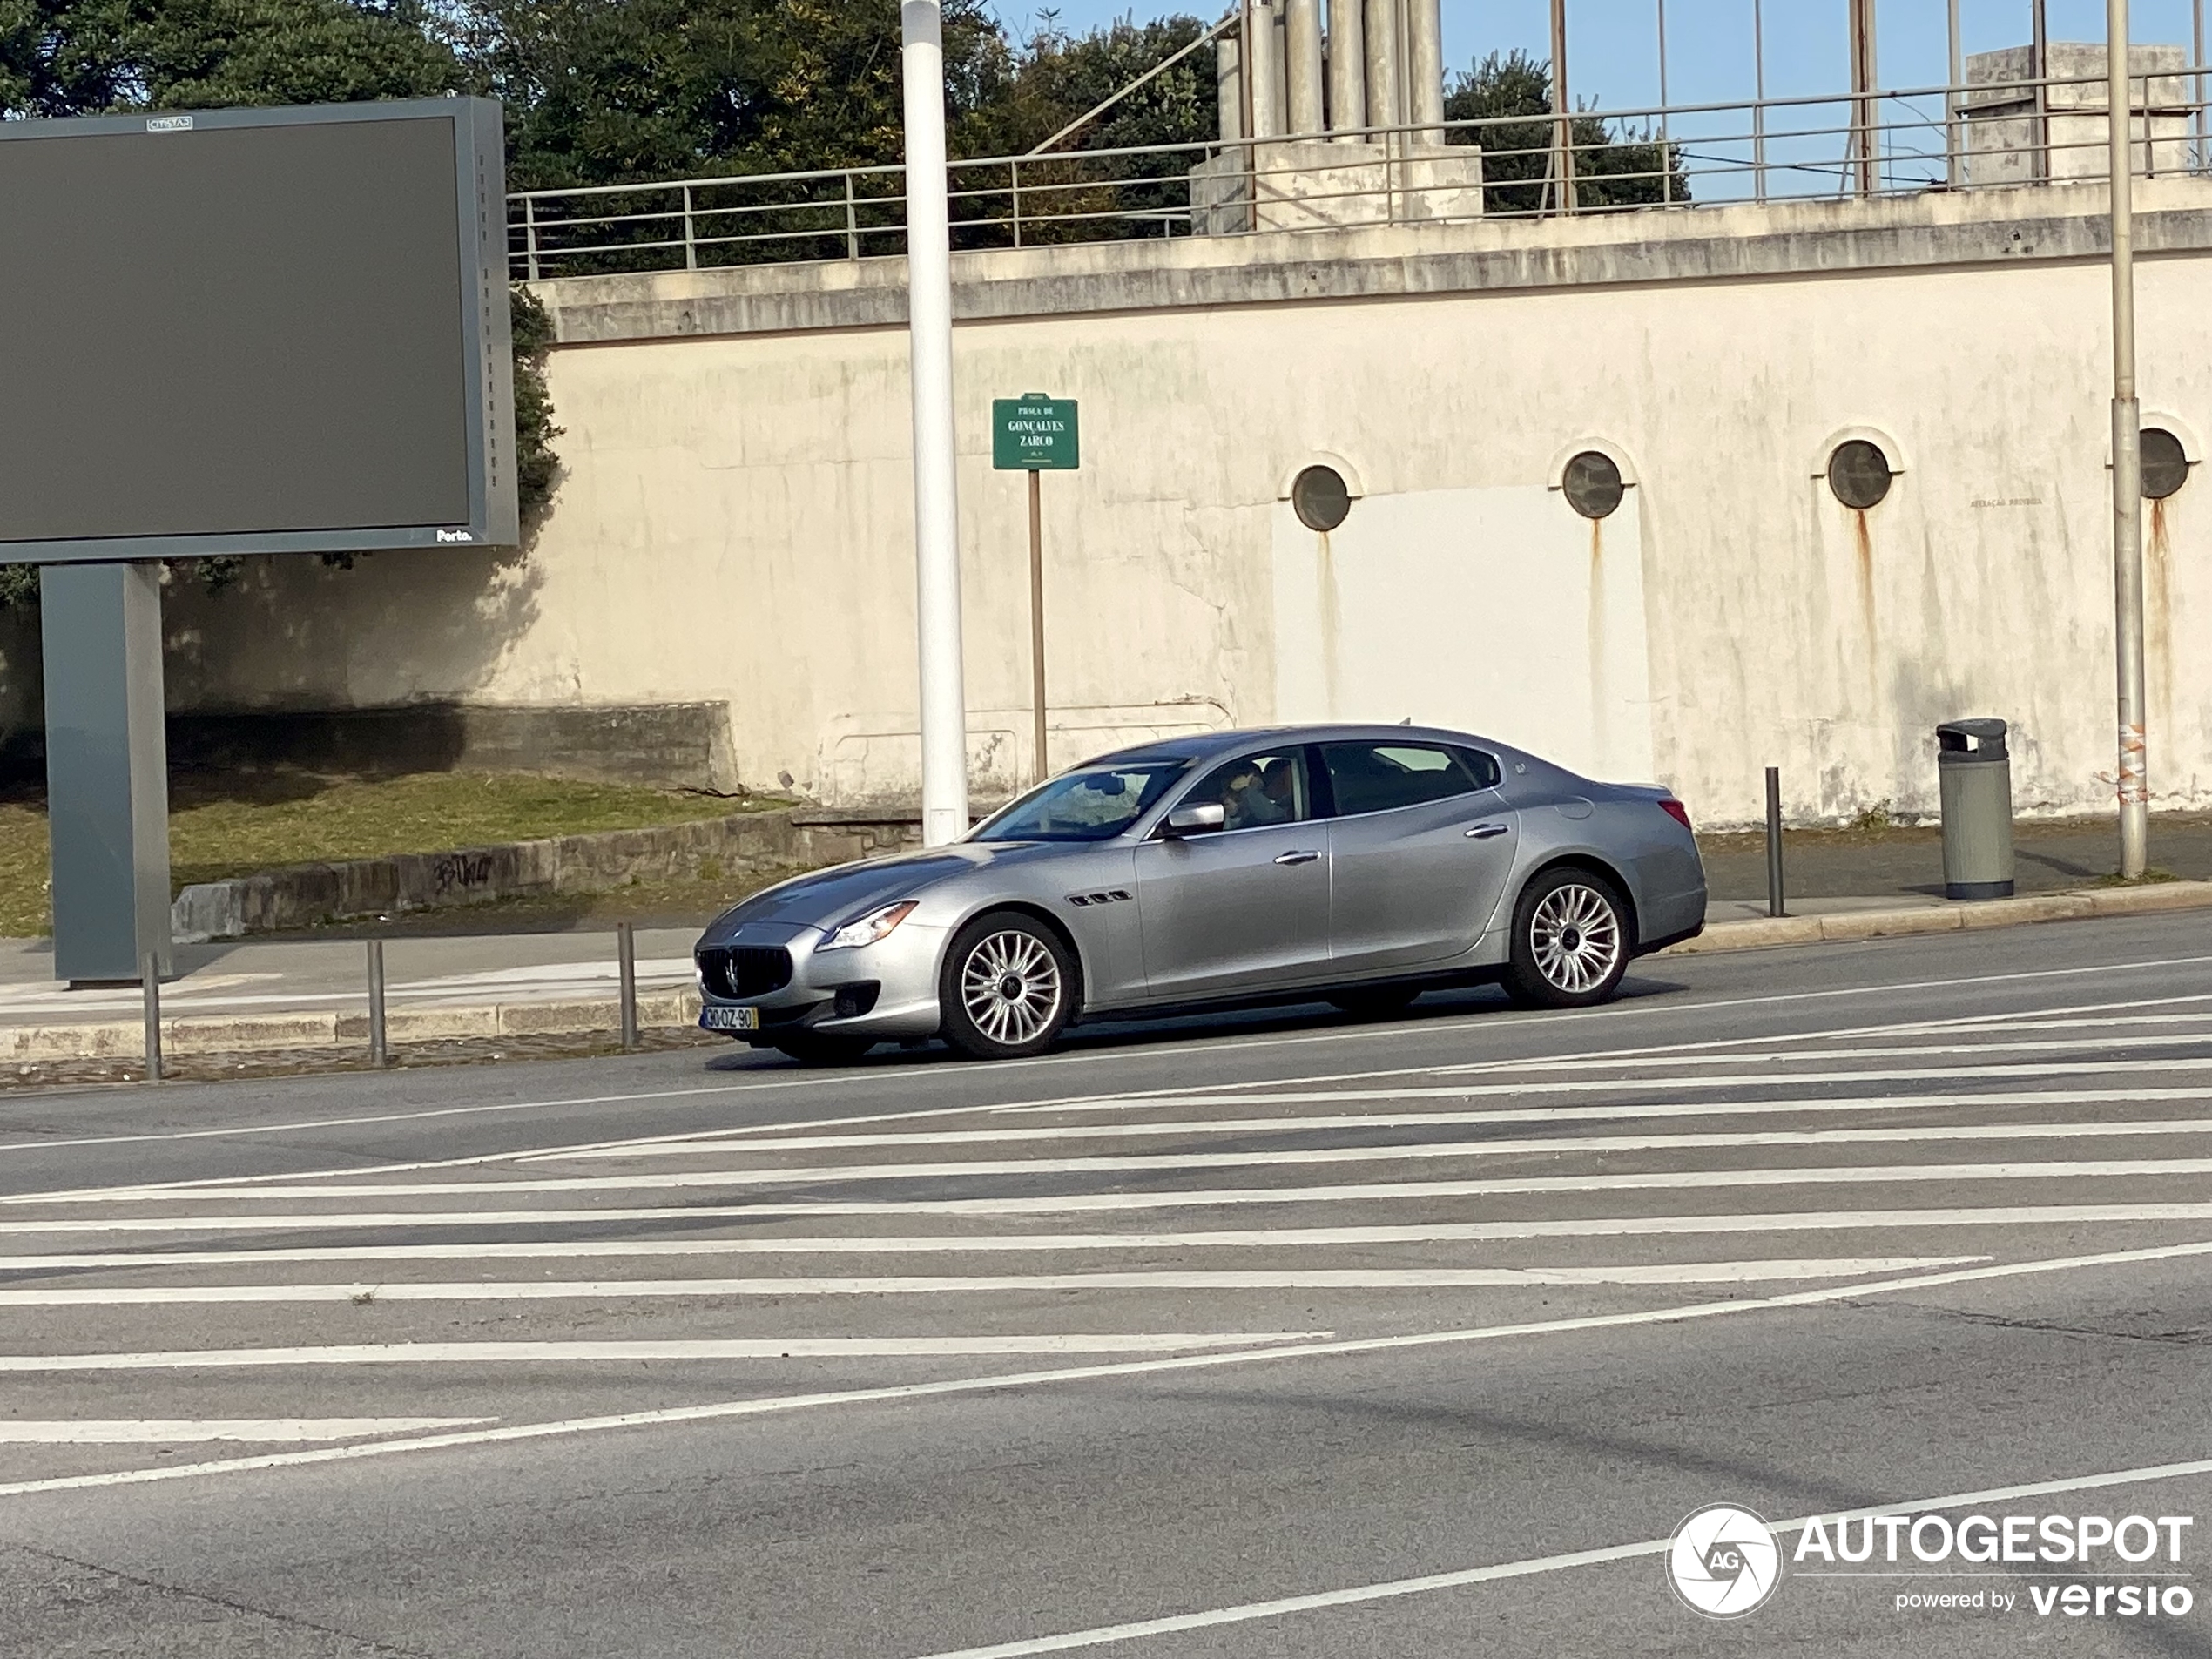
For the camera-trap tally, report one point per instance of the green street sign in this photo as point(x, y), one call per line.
point(1033, 433)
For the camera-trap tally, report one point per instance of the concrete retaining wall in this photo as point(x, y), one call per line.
point(304, 896)
point(735, 525)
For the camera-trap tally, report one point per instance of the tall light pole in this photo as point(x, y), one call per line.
point(2127, 456)
point(929, 322)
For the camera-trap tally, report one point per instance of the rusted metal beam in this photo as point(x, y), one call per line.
point(1864, 111)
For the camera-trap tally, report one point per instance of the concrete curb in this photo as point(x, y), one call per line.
point(200, 1033)
point(1851, 925)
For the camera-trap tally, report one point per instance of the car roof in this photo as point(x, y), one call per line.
point(1200, 745)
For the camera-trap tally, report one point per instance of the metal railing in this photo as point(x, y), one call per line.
point(1977, 135)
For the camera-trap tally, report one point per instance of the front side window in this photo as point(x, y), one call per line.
point(1094, 805)
point(1381, 777)
point(1255, 791)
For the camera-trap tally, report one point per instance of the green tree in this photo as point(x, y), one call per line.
point(1611, 170)
point(63, 58)
point(82, 56)
point(1057, 77)
point(608, 91)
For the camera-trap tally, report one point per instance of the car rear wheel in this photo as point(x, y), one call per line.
point(1382, 1003)
point(1570, 941)
point(1008, 987)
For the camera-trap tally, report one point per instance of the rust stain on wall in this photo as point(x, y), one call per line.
point(1863, 556)
point(2158, 616)
point(1325, 570)
point(1594, 628)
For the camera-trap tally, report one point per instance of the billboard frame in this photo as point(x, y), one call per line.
point(481, 226)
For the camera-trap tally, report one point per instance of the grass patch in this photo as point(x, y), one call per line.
point(235, 824)
point(2149, 878)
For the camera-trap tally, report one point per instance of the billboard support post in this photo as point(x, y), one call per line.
point(107, 770)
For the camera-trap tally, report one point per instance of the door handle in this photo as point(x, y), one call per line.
point(1296, 858)
point(1484, 832)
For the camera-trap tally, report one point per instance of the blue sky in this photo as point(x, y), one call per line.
point(1613, 63)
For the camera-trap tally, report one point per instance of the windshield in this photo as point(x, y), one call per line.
point(1093, 805)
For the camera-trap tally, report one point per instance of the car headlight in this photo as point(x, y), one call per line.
point(874, 927)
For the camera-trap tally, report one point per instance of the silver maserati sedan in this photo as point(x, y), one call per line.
point(1351, 864)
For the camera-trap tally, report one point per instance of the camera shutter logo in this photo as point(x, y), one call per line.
point(1724, 1561)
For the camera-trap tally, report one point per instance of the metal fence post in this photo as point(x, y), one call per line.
point(1013, 179)
point(1774, 904)
point(378, 1049)
point(1758, 108)
point(626, 965)
point(153, 989)
point(529, 236)
point(690, 243)
point(852, 222)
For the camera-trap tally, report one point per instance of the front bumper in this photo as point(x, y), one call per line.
point(890, 988)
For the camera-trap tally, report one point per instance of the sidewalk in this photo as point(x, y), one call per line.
point(255, 994)
point(261, 995)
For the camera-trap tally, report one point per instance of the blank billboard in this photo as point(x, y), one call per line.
point(254, 331)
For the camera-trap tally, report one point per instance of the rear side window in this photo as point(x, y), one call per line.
point(1488, 773)
point(1381, 777)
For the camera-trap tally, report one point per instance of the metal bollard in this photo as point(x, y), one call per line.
point(626, 962)
point(1774, 904)
point(152, 982)
point(377, 1048)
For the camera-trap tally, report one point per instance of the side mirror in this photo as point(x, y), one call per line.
point(1203, 818)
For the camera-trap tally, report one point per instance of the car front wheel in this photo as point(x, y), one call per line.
point(1570, 941)
point(1008, 987)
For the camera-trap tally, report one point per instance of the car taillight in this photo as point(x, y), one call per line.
point(1676, 810)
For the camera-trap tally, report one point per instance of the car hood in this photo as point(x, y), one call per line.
point(827, 898)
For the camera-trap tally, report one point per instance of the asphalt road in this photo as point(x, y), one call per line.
point(1279, 1335)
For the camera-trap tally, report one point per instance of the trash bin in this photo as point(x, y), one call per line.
point(1976, 771)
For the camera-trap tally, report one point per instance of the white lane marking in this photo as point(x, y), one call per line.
point(1196, 1127)
point(2065, 1215)
point(725, 1410)
point(1661, 1051)
point(425, 1115)
point(1485, 1021)
point(673, 1180)
point(1872, 1175)
point(475, 1353)
point(1670, 1052)
point(1283, 1607)
point(1742, 1272)
point(15, 1430)
point(766, 1137)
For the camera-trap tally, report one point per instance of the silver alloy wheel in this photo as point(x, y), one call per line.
point(1010, 986)
point(1575, 938)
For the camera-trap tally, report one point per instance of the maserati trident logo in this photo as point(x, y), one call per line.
point(1724, 1561)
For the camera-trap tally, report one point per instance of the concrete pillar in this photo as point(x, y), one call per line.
point(1263, 60)
point(1229, 87)
point(1303, 66)
point(1424, 67)
point(1384, 79)
point(1347, 70)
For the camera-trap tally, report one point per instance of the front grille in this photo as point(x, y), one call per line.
point(744, 970)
